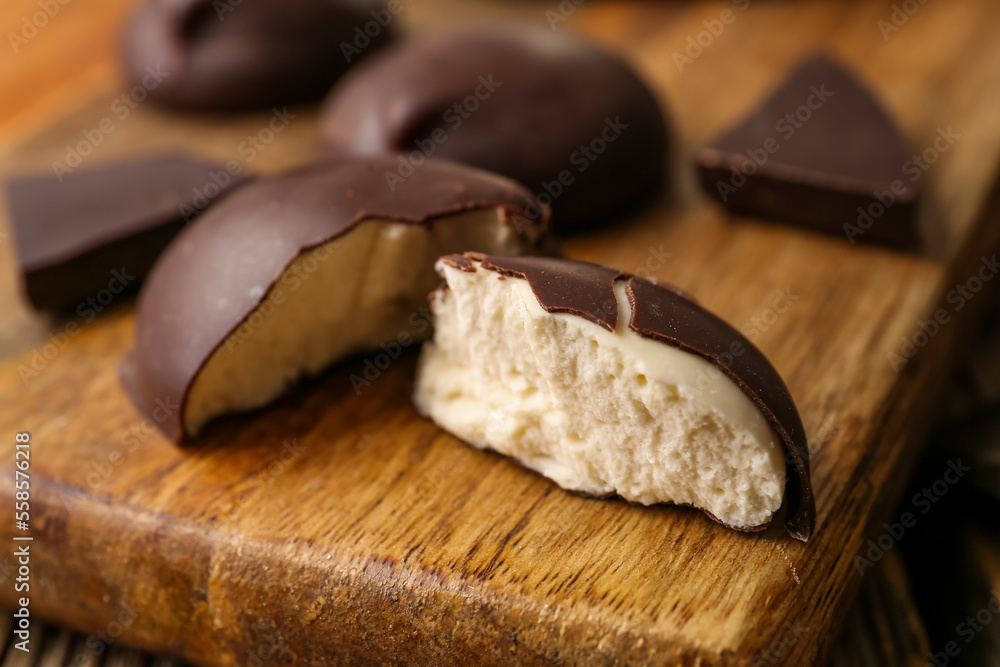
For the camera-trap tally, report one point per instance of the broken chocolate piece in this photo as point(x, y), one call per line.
point(77, 233)
point(565, 118)
point(610, 384)
point(253, 54)
point(299, 270)
point(822, 153)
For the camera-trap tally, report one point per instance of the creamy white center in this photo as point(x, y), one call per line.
point(597, 411)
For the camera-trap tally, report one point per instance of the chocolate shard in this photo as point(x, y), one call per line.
point(570, 121)
point(77, 233)
point(233, 56)
point(298, 270)
point(658, 313)
point(819, 152)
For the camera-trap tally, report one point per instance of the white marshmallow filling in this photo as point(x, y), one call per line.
point(595, 411)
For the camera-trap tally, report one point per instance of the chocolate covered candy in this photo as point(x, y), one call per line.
point(822, 153)
point(82, 232)
point(253, 54)
point(296, 271)
point(568, 120)
point(610, 384)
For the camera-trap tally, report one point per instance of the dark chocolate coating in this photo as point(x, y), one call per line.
point(241, 55)
point(71, 235)
point(660, 313)
point(847, 149)
point(220, 269)
point(542, 97)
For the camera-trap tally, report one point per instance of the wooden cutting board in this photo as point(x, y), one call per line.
point(340, 527)
point(883, 631)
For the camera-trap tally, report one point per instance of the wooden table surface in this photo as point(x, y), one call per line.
point(381, 539)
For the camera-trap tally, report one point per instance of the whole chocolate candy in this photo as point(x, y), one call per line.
point(293, 272)
point(237, 55)
point(563, 117)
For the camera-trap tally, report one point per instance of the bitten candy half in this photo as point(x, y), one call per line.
point(610, 384)
point(299, 270)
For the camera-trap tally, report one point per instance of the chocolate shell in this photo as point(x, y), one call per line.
point(822, 153)
point(565, 118)
point(252, 54)
point(222, 268)
point(660, 313)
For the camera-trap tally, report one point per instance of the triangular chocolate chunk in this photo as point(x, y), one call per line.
point(822, 153)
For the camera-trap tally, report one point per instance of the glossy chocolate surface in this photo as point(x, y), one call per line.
point(819, 152)
point(571, 122)
point(220, 269)
point(106, 224)
point(229, 55)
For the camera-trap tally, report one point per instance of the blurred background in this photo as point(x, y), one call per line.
point(934, 600)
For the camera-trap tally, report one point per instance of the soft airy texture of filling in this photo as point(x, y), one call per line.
point(364, 288)
point(597, 412)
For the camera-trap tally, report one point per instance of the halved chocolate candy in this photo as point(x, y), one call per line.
point(610, 384)
point(299, 270)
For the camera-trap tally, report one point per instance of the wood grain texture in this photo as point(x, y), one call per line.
point(884, 630)
point(340, 527)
